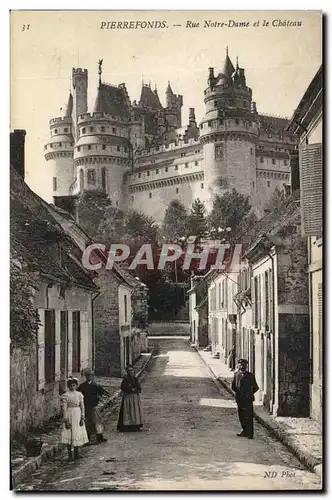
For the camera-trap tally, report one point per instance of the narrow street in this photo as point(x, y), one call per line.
point(189, 440)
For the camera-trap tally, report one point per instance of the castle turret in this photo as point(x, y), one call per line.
point(173, 108)
point(59, 152)
point(228, 132)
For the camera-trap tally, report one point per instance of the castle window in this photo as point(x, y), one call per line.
point(262, 159)
point(150, 195)
point(281, 137)
point(177, 190)
point(209, 123)
point(132, 197)
point(221, 122)
point(65, 129)
point(273, 161)
point(201, 125)
point(139, 175)
point(83, 130)
point(253, 184)
point(148, 173)
point(91, 176)
point(250, 124)
point(268, 183)
point(117, 203)
point(78, 148)
point(56, 131)
point(197, 151)
point(166, 169)
point(285, 162)
point(118, 148)
point(186, 165)
point(91, 129)
point(251, 151)
point(176, 167)
point(103, 178)
point(54, 184)
point(60, 144)
point(202, 186)
point(125, 150)
point(270, 135)
point(183, 154)
point(244, 104)
point(102, 129)
point(196, 163)
point(215, 104)
point(81, 179)
point(89, 147)
point(157, 171)
point(113, 130)
point(237, 121)
point(104, 146)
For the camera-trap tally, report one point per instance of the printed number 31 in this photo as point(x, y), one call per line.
point(25, 27)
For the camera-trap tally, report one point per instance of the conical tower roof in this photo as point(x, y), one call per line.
point(169, 89)
point(69, 107)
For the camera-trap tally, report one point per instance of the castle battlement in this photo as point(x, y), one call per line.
point(90, 117)
point(168, 147)
point(225, 86)
point(60, 120)
point(79, 71)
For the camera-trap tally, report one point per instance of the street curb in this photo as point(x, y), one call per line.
point(309, 461)
point(18, 476)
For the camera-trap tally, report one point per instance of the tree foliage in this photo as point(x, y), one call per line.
point(91, 210)
point(24, 318)
point(175, 225)
point(197, 220)
point(228, 211)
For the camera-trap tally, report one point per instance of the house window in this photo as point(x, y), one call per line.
point(50, 345)
point(268, 184)
point(196, 163)
point(262, 159)
point(125, 308)
point(150, 195)
point(83, 130)
point(273, 161)
point(177, 190)
point(113, 130)
point(102, 128)
point(54, 183)
point(256, 301)
point(202, 186)
point(103, 178)
point(91, 176)
point(76, 362)
point(64, 344)
point(267, 302)
point(65, 129)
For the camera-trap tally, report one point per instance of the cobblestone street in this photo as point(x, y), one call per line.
point(189, 440)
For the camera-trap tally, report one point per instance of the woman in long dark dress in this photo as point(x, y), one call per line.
point(131, 414)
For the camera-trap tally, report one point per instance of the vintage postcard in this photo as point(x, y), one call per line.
point(166, 242)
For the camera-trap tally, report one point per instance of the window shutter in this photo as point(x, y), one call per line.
point(311, 183)
point(41, 351)
point(70, 342)
point(57, 367)
point(271, 301)
point(320, 319)
point(84, 355)
point(253, 302)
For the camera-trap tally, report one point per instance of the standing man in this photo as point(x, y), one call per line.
point(244, 385)
point(92, 392)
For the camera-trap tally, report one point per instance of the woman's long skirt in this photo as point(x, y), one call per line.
point(131, 414)
point(76, 435)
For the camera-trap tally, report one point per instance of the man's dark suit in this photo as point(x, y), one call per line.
point(244, 385)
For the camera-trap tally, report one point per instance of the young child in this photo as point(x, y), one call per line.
point(73, 432)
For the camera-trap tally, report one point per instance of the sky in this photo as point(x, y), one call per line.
point(279, 62)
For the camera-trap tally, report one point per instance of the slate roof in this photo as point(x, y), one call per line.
point(273, 123)
point(149, 98)
point(111, 100)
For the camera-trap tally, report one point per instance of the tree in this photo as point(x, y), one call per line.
point(91, 208)
point(175, 225)
point(24, 318)
point(140, 226)
point(227, 211)
point(197, 222)
point(111, 228)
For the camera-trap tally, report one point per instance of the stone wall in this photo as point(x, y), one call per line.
point(294, 365)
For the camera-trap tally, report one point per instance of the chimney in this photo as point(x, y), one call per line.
point(192, 118)
point(17, 151)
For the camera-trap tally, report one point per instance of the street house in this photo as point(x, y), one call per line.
point(63, 293)
point(307, 124)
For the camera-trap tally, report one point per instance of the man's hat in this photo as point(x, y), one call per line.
point(243, 361)
point(88, 371)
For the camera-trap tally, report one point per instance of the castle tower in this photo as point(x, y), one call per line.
point(173, 108)
point(59, 152)
point(80, 98)
point(228, 133)
point(103, 152)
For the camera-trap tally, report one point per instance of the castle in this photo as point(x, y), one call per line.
point(143, 158)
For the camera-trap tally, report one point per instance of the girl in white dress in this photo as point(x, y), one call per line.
point(73, 432)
